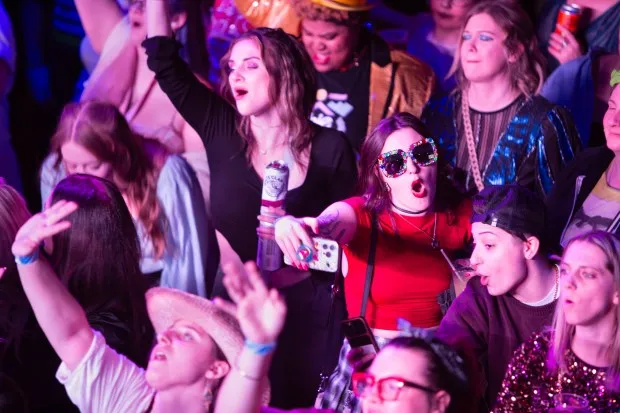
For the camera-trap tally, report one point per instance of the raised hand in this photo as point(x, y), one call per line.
point(261, 312)
point(291, 233)
point(40, 226)
point(564, 47)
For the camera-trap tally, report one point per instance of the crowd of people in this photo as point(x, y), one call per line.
point(461, 168)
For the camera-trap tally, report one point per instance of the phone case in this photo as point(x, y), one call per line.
point(358, 333)
point(325, 257)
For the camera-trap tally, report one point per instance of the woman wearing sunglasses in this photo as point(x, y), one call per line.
point(404, 190)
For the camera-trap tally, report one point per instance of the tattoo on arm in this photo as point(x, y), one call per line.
point(328, 226)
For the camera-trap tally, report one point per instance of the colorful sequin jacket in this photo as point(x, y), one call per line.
point(529, 386)
point(532, 151)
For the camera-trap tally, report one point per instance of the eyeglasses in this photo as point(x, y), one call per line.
point(422, 153)
point(388, 387)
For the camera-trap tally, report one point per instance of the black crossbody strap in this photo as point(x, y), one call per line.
point(370, 267)
point(335, 290)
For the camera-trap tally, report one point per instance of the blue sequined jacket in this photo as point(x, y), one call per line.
point(532, 151)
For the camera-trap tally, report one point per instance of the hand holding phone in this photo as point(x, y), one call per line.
point(323, 255)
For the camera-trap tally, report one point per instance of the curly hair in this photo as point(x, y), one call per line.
point(307, 9)
point(526, 73)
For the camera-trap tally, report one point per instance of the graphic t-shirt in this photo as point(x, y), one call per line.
point(600, 211)
point(342, 101)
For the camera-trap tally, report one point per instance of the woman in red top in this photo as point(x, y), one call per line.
point(403, 186)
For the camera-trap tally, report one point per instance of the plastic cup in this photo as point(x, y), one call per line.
point(570, 403)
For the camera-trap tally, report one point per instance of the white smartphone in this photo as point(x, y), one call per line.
point(325, 255)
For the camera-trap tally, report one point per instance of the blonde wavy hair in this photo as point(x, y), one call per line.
point(526, 73)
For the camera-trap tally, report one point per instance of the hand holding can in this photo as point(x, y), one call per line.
point(275, 188)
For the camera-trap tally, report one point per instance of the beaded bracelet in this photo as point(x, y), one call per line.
point(260, 348)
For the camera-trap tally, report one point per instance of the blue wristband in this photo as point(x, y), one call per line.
point(28, 259)
point(259, 348)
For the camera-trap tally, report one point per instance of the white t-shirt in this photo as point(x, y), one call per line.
point(105, 381)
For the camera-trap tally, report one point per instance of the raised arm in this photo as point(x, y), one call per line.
point(205, 111)
point(60, 316)
point(261, 313)
point(99, 17)
point(337, 222)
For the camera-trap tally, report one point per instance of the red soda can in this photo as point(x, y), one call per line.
point(568, 17)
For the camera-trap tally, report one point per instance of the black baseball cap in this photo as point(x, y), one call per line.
point(513, 208)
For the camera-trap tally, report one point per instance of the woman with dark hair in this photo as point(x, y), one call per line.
point(495, 129)
point(414, 373)
point(13, 214)
point(411, 204)
point(27, 361)
point(198, 343)
point(160, 189)
point(515, 291)
point(98, 260)
point(273, 93)
point(122, 78)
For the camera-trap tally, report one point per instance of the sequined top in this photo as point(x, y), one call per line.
point(529, 386)
point(532, 151)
